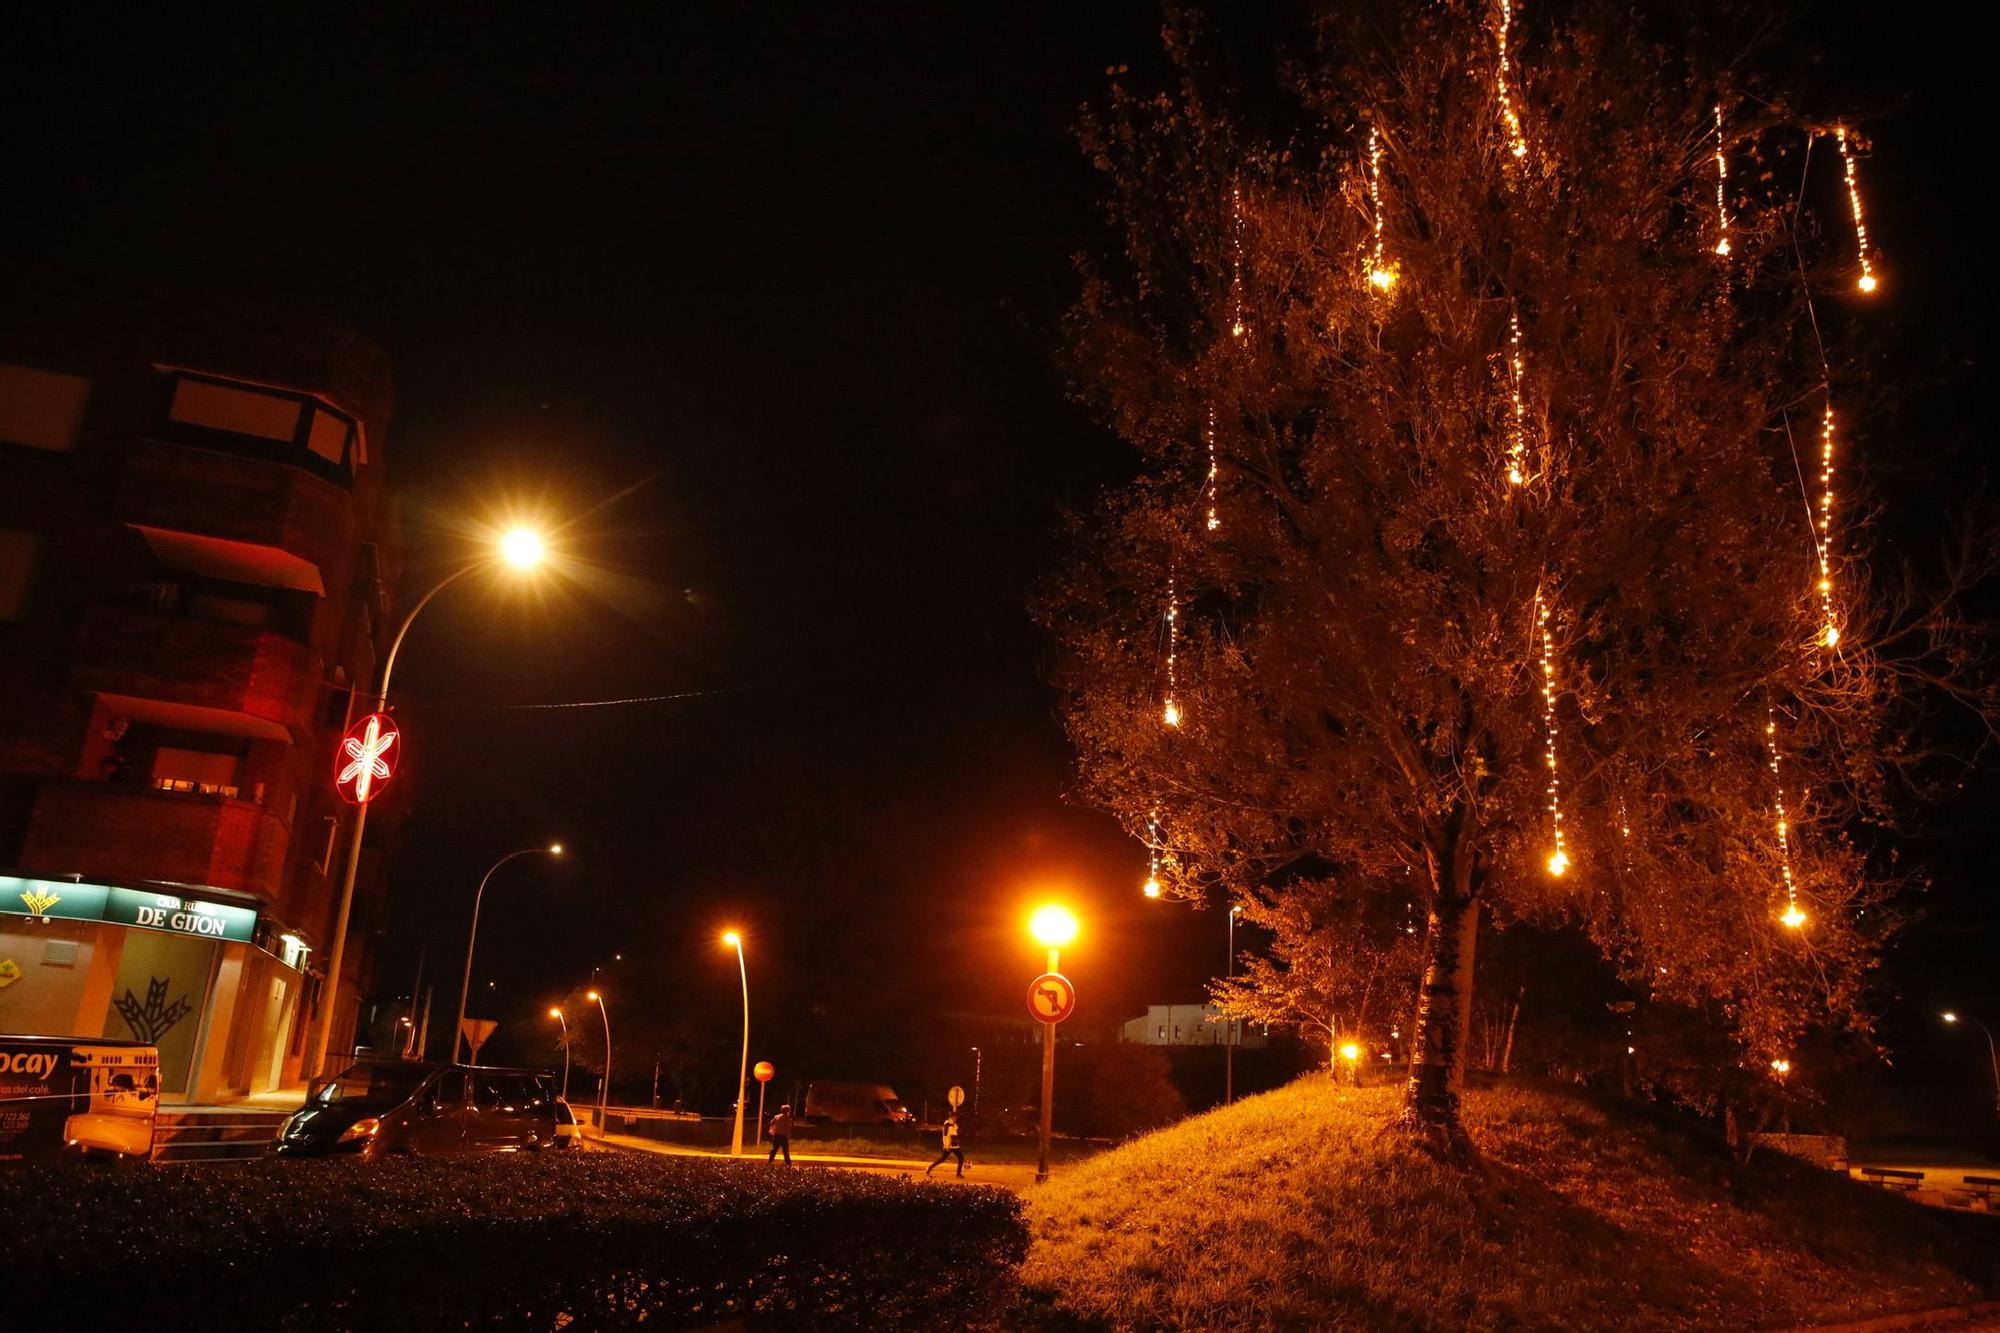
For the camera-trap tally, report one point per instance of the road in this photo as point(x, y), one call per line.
point(1011, 1175)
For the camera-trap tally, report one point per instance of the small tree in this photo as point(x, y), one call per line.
point(1341, 967)
point(1471, 555)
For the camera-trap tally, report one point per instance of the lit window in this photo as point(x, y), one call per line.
point(41, 409)
point(194, 771)
point(238, 411)
point(19, 554)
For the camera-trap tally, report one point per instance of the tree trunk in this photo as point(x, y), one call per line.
point(1443, 1018)
point(1513, 1021)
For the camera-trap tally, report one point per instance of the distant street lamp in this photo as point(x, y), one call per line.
point(520, 548)
point(1950, 1017)
point(735, 941)
point(1229, 1050)
point(557, 1014)
point(472, 937)
point(1052, 928)
point(604, 1089)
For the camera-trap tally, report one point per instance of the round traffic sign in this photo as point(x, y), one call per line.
point(1051, 997)
point(764, 1070)
point(956, 1096)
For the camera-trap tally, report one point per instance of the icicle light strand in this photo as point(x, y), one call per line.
point(1721, 188)
point(1517, 144)
point(1380, 274)
point(1517, 431)
point(1559, 855)
point(1829, 636)
point(1867, 280)
point(1152, 887)
point(1208, 486)
point(1170, 709)
point(1236, 326)
point(1792, 916)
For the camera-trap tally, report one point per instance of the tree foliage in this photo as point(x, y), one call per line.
point(1356, 642)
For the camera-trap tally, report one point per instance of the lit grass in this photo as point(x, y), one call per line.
point(1302, 1208)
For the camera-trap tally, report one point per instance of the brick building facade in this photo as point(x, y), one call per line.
point(195, 555)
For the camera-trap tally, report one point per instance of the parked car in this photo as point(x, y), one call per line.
point(854, 1104)
point(569, 1134)
point(383, 1107)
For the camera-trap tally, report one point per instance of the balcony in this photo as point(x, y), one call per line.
point(119, 831)
point(252, 500)
point(203, 675)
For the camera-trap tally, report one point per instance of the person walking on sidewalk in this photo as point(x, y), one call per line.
point(948, 1147)
point(780, 1131)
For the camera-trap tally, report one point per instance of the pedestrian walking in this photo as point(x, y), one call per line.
point(948, 1147)
point(780, 1130)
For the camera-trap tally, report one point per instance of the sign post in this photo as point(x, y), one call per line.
point(1051, 999)
point(956, 1096)
point(764, 1071)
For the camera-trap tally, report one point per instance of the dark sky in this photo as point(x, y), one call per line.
point(787, 273)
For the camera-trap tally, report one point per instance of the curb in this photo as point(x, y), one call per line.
point(1917, 1319)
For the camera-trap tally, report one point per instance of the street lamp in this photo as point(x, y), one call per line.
point(1052, 928)
point(1229, 1050)
point(557, 1014)
point(472, 937)
point(735, 941)
point(1952, 1018)
point(604, 1090)
point(513, 549)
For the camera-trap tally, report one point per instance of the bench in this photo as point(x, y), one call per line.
point(1983, 1188)
point(1890, 1177)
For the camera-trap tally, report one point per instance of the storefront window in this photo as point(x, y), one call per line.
point(158, 996)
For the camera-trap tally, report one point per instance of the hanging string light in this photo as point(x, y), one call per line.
point(1867, 279)
point(1208, 486)
point(1517, 431)
point(1829, 635)
point(1152, 887)
point(1170, 709)
point(1721, 188)
point(1517, 143)
point(1381, 275)
point(1559, 854)
point(1792, 916)
point(1236, 326)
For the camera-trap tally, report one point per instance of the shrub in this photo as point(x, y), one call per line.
point(572, 1240)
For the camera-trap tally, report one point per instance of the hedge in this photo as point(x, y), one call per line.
point(551, 1241)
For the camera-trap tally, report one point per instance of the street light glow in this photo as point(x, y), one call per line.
point(1152, 886)
point(523, 548)
point(732, 939)
point(1948, 1016)
point(1793, 917)
point(592, 996)
point(555, 849)
point(555, 1013)
point(1052, 926)
point(1350, 1052)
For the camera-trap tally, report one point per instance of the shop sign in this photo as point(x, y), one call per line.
point(61, 899)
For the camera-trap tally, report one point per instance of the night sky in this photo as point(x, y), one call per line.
point(758, 301)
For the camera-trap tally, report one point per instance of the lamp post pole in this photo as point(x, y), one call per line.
point(1229, 1050)
point(743, 1068)
point(329, 999)
point(557, 1014)
point(1048, 1079)
point(472, 938)
point(604, 1090)
point(1992, 1056)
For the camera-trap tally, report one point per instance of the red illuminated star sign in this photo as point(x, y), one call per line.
point(366, 759)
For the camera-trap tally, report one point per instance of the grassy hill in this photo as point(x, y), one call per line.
point(1302, 1209)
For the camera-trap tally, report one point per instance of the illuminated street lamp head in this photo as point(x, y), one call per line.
point(555, 1013)
point(1350, 1052)
point(594, 996)
point(732, 939)
point(555, 849)
point(1558, 861)
point(1948, 1016)
point(1052, 926)
point(522, 548)
point(1867, 283)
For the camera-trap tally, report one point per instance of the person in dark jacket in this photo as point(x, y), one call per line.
point(780, 1131)
point(948, 1145)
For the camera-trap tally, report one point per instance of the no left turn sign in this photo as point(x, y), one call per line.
point(1051, 997)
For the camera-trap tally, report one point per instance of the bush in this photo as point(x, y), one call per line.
point(570, 1240)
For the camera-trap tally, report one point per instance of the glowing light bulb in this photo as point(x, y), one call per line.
point(1170, 711)
point(522, 548)
point(1208, 434)
point(1559, 856)
point(1381, 274)
point(1350, 1052)
point(1830, 631)
point(1721, 188)
point(1793, 917)
point(1236, 325)
point(1152, 887)
point(1382, 279)
point(1831, 636)
point(732, 939)
point(1781, 1067)
point(1558, 863)
point(1052, 926)
point(1517, 426)
point(1866, 282)
point(1171, 714)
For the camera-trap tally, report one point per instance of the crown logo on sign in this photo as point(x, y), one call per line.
point(39, 901)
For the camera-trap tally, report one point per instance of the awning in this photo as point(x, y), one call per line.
point(239, 562)
point(193, 717)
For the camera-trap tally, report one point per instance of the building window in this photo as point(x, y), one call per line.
point(40, 409)
point(194, 771)
point(328, 436)
point(294, 428)
point(20, 553)
point(1163, 1032)
point(238, 411)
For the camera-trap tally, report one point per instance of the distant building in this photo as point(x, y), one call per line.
point(195, 552)
point(1190, 1025)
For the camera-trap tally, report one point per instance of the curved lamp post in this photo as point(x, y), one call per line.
point(472, 938)
point(1952, 1018)
point(604, 1091)
point(735, 941)
point(523, 550)
point(557, 1014)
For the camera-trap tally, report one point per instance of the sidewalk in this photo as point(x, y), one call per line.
point(1010, 1175)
